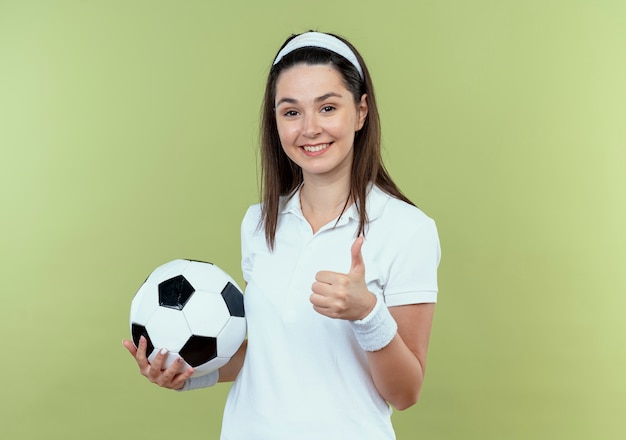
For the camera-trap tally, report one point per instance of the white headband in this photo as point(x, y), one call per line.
point(324, 41)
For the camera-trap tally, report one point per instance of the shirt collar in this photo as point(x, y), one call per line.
point(290, 203)
point(376, 200)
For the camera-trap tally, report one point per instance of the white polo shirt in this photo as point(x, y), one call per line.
point(305, 376)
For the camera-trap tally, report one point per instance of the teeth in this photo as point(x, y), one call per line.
point(314, 148)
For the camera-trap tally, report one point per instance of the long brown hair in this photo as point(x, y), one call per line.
point(281, 177)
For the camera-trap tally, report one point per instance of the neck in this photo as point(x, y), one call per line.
point(322, 202)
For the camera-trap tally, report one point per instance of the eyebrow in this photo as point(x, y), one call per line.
point(318, 99)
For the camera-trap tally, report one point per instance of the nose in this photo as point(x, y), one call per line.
point(311, 127)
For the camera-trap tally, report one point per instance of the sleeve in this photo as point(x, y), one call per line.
point(249, 226)
point(412, 277)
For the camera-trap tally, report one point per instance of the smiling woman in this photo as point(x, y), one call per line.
point(341, 268)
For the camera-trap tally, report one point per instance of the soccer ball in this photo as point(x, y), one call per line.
point(194, 310)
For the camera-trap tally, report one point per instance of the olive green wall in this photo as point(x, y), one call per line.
point(128, 136)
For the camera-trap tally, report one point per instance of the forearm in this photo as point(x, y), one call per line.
point(397, 373)
point(230, 371)
point(397, 367)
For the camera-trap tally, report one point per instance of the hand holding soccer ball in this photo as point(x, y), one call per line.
point(187, 319)
point(173, 377)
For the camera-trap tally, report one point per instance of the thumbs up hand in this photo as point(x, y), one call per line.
point(344, 296)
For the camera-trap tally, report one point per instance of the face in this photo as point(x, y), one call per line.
point(317, 118)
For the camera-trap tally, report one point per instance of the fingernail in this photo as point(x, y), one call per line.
point(179, 360)
point(163, 351)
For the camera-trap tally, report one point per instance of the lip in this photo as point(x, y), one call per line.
point(316, 149)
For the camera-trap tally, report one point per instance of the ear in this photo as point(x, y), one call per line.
point(362, 109)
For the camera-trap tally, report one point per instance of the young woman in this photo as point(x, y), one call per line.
point(341, 268)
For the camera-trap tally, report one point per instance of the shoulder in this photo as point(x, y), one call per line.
point(398, 227)
point(251, 225)
point(395, 213)
point(252, 216)
point(403, 245)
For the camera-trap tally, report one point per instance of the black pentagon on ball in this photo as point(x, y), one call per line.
point(234, 300)
point(175, 292)
point(199, 350)
point(138, 331)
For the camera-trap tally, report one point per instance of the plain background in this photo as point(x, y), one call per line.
point(128, 137)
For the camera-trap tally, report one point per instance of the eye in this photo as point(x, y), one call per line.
point(290, 113)
point(327, 108)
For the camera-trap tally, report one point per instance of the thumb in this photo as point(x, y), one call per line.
point(357, 258)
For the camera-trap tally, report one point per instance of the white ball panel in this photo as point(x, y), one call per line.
point(168, 329)
point(205, 276)
point(206, 314)
point(167, 271)
point(171, 358)
point(231, 337)
point(212, 365)
point(143, 305)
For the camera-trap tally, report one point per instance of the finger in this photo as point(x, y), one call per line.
point(166, 377)
point(130, 347)
point(157, 364)
point(326, 311)
point(357, 258)
point(179, 381)
point(326, 277)
point(140, 355)
point(320, 301)
point(323, 289)
point(328, 306)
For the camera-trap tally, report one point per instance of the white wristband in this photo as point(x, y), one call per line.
point(204, 381)
point(377, 329)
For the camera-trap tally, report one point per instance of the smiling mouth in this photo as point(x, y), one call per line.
point(315, 148)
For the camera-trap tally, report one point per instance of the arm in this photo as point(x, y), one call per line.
point(398, 369)
point(229, 372)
